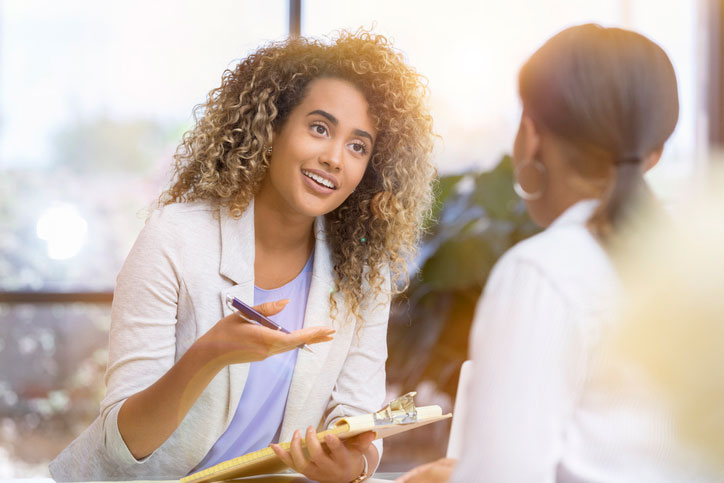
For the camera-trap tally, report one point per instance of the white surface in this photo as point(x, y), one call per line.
point(455, 443)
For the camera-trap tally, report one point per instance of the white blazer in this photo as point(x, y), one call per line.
point(170, 291)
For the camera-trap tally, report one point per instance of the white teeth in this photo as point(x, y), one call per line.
point(319, 179)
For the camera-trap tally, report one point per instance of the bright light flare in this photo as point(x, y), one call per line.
point(63, 229)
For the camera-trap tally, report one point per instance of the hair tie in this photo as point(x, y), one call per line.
point(629, 159)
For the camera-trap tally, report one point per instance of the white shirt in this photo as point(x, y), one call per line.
point(550, 402)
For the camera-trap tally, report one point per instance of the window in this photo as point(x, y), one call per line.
point(94, 97)
point(471, 53)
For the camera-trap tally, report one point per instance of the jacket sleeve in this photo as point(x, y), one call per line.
point(360, 386)
point(142, 340)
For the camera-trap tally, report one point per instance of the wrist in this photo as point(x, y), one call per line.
point(206, 357)
point(364, 474)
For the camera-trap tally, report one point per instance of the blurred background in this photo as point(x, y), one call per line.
point(94, 98)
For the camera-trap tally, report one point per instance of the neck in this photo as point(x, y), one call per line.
point(562, 202)
point(564, 187)
point(277, 230)
point(558, 197)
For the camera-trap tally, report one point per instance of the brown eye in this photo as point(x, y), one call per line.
point(320, 129)
point(359, 148)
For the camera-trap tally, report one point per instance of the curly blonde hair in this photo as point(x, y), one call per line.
point(223, 158)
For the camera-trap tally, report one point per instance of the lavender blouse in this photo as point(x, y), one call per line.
point(258, 417)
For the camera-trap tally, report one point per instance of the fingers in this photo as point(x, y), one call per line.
point(294, 458)
point(441, 472)
point(337, 450)
point(313, 335)
point(283, 455)
point(281, 342)
point(336, 462)
point(271, 308)
point(414, 474)
point(436, 472)
point(299, 461)
point(360, 442)
point(314, 447)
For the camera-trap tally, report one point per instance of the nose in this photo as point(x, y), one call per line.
point(331, 157)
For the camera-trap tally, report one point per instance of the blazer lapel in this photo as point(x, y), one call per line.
point(237, 246)
point(237, 264)
point(317, 313)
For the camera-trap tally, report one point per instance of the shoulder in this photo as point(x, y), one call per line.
point(560, 246)
point(567, 258)
point(180, 212)
point(555, 281)
point(172, 227)
point(178, 219)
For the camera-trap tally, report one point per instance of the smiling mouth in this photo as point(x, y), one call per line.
point(319, 180)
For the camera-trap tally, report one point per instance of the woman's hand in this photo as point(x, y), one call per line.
point(233, 340)
point(150, 416)
point(337, 461)
point(438, 471)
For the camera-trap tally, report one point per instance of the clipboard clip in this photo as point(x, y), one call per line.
point(401, 410)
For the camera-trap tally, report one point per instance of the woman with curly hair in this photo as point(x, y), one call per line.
point(301, 190)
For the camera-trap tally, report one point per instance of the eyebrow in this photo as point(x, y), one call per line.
point(335, 121)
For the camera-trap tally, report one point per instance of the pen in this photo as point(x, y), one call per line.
point(251, 315)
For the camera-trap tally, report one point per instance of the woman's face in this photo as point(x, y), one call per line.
point(321, 151)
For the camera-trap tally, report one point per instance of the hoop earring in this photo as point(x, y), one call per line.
point(519, 190)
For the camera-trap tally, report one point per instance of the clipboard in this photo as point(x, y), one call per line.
point(398, 416)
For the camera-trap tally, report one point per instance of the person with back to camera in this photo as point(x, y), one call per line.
point(546, 403)
point(300, 190)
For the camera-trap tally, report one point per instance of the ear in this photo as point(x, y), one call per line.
point(652, 159)
point(529, 138)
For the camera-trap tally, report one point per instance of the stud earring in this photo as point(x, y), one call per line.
point(269, 150)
